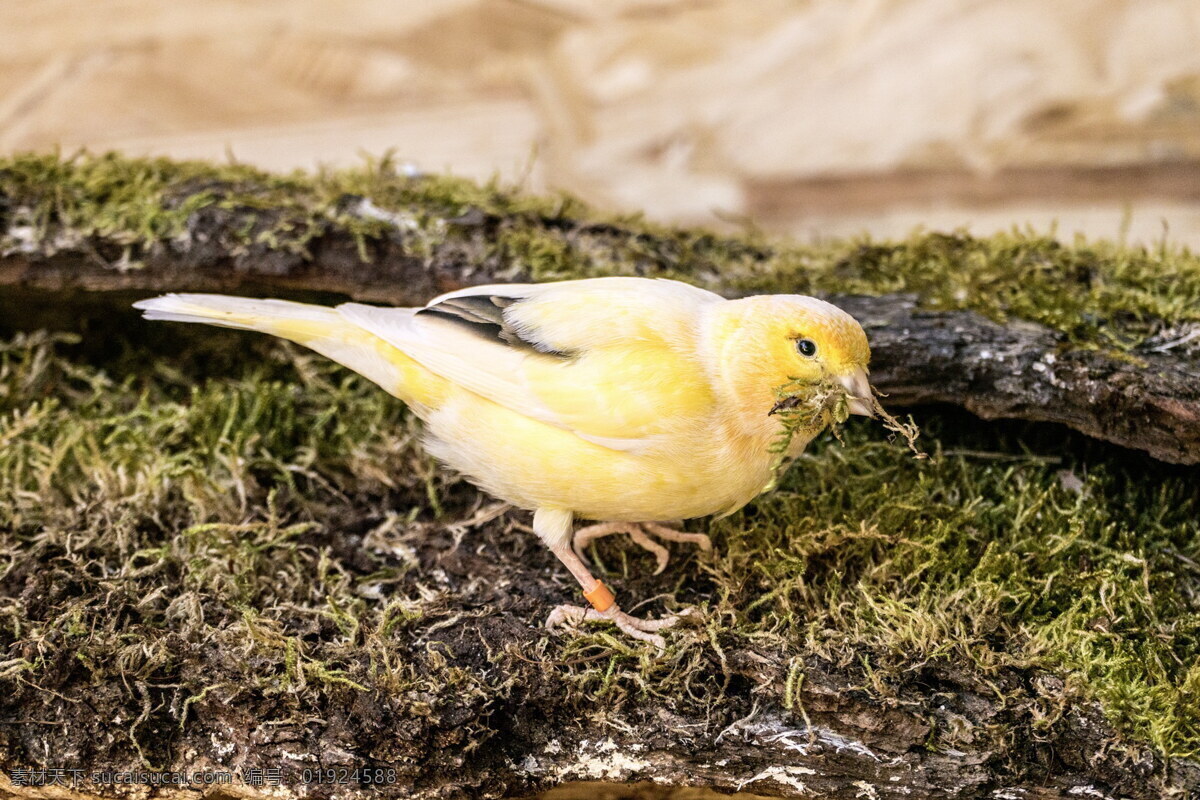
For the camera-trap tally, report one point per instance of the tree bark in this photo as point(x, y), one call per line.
point(1148, 402)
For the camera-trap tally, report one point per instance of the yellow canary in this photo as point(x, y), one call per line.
point(628, 401)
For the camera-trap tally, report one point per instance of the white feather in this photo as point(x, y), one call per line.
point(332, 336)
point(492, 370)
point(244, 313)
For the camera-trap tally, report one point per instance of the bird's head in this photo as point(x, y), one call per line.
point(762, 343)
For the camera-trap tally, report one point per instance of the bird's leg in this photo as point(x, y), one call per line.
point(639, 533)
point(585, 536)
point(604, 605)
point(701, 540)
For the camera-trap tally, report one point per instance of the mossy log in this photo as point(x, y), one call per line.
point(230, 564)
point(245, 236)
point(784, 726)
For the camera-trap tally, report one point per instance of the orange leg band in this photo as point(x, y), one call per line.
point(601, 598)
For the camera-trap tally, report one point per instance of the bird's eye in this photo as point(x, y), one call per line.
point(807, 347)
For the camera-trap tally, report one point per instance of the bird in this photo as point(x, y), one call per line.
point(633, 403)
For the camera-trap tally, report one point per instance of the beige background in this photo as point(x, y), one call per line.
point(814, 118)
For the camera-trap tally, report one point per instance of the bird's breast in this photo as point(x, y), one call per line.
point(702, 466)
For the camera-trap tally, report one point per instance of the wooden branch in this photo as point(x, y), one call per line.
point(1148, 401)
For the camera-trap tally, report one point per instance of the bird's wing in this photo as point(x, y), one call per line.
point(611, 359)
point(574, 316)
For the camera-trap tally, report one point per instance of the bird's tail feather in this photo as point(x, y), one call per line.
point(320, 328)
point(235, 312)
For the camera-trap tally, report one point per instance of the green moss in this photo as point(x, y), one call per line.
point(267, 535)
point(1100, 295)
point(982, 558)
point(275, 534)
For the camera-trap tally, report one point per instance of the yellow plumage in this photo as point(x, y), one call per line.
point(615, 399)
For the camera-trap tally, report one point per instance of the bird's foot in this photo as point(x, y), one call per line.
point(640, 533)
point(644, 630)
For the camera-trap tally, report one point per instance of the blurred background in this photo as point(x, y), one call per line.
point(816, 118)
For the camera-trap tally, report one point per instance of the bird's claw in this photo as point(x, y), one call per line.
point(639, 532)
point(644, 630)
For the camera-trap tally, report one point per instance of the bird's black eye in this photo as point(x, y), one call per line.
point(807, 347)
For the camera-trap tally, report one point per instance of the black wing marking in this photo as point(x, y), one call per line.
point(483, 315)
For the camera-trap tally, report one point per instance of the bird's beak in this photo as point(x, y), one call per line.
point(861, 399)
